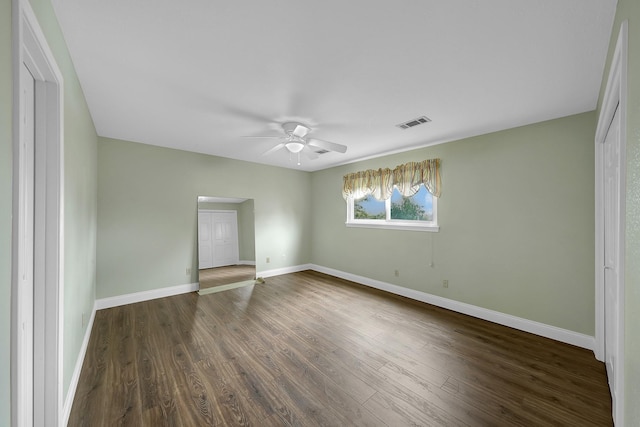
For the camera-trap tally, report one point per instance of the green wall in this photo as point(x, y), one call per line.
point(247, 233)
point(245, 217)
point(6, 165)
point(147, 213)
point(516, 217)
point(630, 10)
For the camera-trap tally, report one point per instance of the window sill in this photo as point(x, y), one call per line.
point(394, 226)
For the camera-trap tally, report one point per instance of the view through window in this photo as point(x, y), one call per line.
point(417, 210)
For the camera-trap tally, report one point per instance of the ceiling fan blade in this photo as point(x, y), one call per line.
point(274, 149)
point(331, 146)
point(300, 131)
point(308, 151)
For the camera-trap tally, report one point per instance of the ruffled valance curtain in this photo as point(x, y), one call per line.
point(407, 178)
point(378, 183)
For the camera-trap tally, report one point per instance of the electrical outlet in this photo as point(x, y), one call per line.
point(188, 271)
point(268, 260)
point(445, 283)
point(396, 273)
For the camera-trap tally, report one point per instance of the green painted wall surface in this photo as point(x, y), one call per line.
point(516, 217)
point(630, 10)
point(6, 165)
point(80, 197)
point(247, 237)
point(147, 222)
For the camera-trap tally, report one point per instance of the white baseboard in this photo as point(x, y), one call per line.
point(548, 331)
point(145, 295)
point(73, 385)
point(242, 262)
point(284, 270)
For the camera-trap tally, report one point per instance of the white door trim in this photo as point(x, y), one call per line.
point(615, 96)
point(30, 47)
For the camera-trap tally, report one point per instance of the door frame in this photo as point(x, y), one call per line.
point(201, 215)
point(30, 47)
point(615, 96)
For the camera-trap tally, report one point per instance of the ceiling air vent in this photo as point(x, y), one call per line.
point(415, 122)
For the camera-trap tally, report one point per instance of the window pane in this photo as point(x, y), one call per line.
point(418, 207)
point(368, 208)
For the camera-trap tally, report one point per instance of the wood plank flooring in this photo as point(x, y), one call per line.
point(311, 350)
point(219, 276)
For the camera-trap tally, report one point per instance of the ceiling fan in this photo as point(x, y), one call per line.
point(296, 140)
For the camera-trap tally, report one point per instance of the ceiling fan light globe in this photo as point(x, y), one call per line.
point(294, 146)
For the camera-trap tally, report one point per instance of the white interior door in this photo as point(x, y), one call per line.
point(612, 294)
point(225, 238)
point(205, 242)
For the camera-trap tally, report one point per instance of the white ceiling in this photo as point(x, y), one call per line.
point(199, 75)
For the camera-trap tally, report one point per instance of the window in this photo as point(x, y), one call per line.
point(417, 212)
point(403, 198)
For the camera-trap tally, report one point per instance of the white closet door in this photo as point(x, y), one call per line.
point(225, 238)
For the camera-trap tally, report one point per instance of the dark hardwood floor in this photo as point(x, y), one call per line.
point(308, 349)
point(211, 277)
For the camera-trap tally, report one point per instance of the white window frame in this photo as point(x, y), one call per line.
point(392, 224)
